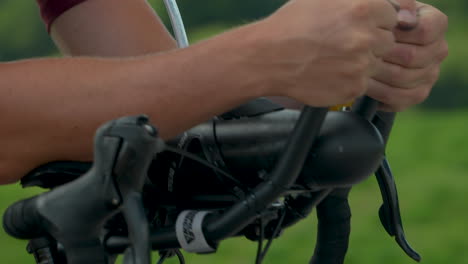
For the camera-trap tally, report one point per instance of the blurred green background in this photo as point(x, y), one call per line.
point(428, 149)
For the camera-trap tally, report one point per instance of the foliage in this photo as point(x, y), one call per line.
point(22, 34)
point(203, 13)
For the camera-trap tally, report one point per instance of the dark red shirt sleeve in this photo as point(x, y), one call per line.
point(51, 9)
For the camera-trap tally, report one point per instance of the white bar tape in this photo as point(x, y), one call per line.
point(189, 231)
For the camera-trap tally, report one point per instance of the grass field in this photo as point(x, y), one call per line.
point(429, 155)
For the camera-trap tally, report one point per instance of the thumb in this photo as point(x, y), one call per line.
point(407, 14)
point(408, 5)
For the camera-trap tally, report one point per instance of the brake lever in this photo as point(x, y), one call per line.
point(389, 212)
point(139, 142)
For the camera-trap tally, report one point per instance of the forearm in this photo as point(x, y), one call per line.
point(52, 107)
point(90, 29)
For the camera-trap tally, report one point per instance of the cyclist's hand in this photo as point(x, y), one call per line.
point(321, 52)
point(408, 72)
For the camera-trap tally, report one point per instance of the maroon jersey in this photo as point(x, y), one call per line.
point(51, 9)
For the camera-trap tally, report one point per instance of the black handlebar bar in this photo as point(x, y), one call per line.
point(284, 175)
point(334, 228)
point(348, 148)
point(260, 140)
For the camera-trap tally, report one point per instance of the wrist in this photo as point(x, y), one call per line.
point(245, 59)
point(239, 52)
point(260, 58)
point(271, 56)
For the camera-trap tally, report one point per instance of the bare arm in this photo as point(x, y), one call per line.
point(114, 28)
point(50, 108)
point(123, 28)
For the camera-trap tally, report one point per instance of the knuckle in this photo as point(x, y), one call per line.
point(434, 75)
point(396, 73)
point(443, 20)
point(420, 95)
point(361, 9)
point(395, 107)
point(389, 108)
point(352, 94)
point(424, 33)
point(358, 43)
point(444, 51)
point(359, 90)
point(407, 55)
point(386, 98)
point(433, 29)
point(390, 97)
point(395, 103)
point(389, 39)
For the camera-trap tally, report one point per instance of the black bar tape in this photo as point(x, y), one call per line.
point(334, 227)
point(22, 221)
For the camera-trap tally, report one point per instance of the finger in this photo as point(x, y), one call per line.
point(395, 99)
point(414, 56)
point(407, 20)
point(407, 15)
point(384, 42)
point(395, 4)
point(431, 27)
point(404, 78)
point(384, 14)
point(407, 4)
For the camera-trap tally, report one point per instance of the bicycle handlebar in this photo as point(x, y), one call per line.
point(286, 171)
point(334, 228)
point(347, 150)
point(218, 227)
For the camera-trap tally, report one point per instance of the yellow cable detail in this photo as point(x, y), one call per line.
point(340, 107)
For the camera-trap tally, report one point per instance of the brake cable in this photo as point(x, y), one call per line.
point(205, 163)
point(177, 23)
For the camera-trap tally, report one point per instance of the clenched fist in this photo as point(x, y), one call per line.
point(406, 73)
point(323, 53)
